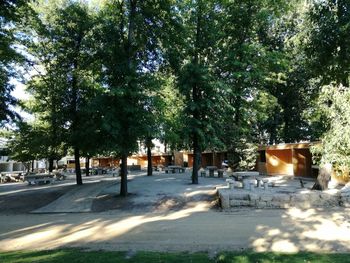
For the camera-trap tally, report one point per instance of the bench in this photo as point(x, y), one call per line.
point(39, 179)
point(240, 176)
point(174, 169)
point(166, 170)
point(221, 173)
point(211, 170)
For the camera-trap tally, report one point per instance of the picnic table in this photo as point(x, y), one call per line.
point(245, 174)
point(39, 178)
point(211, 170)
point(246, 177)
point(158, 167)
point(174, 169)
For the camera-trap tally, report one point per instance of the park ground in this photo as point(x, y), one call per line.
point(164, 213)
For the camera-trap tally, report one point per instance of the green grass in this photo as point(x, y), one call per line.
point(76, 255)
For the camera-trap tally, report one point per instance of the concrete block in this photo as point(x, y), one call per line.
point(254, 197)
point(247, 203)
point(239, 196)
point(266, 197)
point(282, 198)
point(275, 204)
point(299, 198)
point(224, 200)
point(261, 204)
point(235, 203)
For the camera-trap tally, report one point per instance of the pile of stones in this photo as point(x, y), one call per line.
point(234, 196)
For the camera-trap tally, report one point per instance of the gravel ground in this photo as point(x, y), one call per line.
point(165, 213)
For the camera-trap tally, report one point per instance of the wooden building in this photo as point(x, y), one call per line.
point(157, 160)
point(207, 159)
point(293, 159)
point(105, 162)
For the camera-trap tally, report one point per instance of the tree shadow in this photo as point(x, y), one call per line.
point(316, 229)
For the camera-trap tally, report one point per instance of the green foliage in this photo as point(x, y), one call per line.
point(64, 90)
point(328, 40)
point(204, 75)
point(200, 110)
point(335, 142)
point(10, 16)
point(171, 118)
point(32, 142)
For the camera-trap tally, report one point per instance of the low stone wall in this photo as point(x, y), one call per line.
point(233, 198)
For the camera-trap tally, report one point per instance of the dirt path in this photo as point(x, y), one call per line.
point(193, 229)
point(167, 213)
point(159, 193)
point(77, 200)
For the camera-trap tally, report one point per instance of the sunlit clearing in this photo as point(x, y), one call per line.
point(299, 214)
point(328, 230)
point(47, 237)
point(284, 246)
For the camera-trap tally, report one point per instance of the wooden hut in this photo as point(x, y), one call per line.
point(207, 159)
point(292, 159)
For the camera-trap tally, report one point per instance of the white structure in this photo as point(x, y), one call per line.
point(156, 149)
point(6, 164)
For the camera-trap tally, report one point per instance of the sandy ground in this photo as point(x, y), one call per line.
point(167, 213)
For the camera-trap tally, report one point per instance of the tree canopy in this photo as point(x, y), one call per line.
point(198, 75)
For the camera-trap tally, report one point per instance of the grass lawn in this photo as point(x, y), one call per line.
point(76, 255)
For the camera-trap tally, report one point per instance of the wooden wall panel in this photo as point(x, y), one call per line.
point(279, 162)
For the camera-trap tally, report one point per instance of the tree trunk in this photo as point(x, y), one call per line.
point(87, 166)
point(149, 156)
point(50, 164)
point(323, 178)
point(77, 166)
point(33, 165)
point(196, 99)
point(196, 159)
point(74, 112)
point(149, 161)
point(124, 176)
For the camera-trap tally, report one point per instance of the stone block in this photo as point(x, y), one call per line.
point(247, 203)
point(285, 205)
point(299, 198)
point(282, 198)
point(254, 197)
point(239, 196)
point(345, 202)
point(237, 203)
point(304, 205)
point(326, 196)
point(345, 193)
point(314, 197)
point(224, 200)
point(261, 204)
point(275, 204)
point(267, 197)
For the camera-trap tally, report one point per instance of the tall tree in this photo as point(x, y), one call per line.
point(62, 49)
point(326, 41)
point(246, 64)
point(10, 15)
point(129, 54)
point(194, 67)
